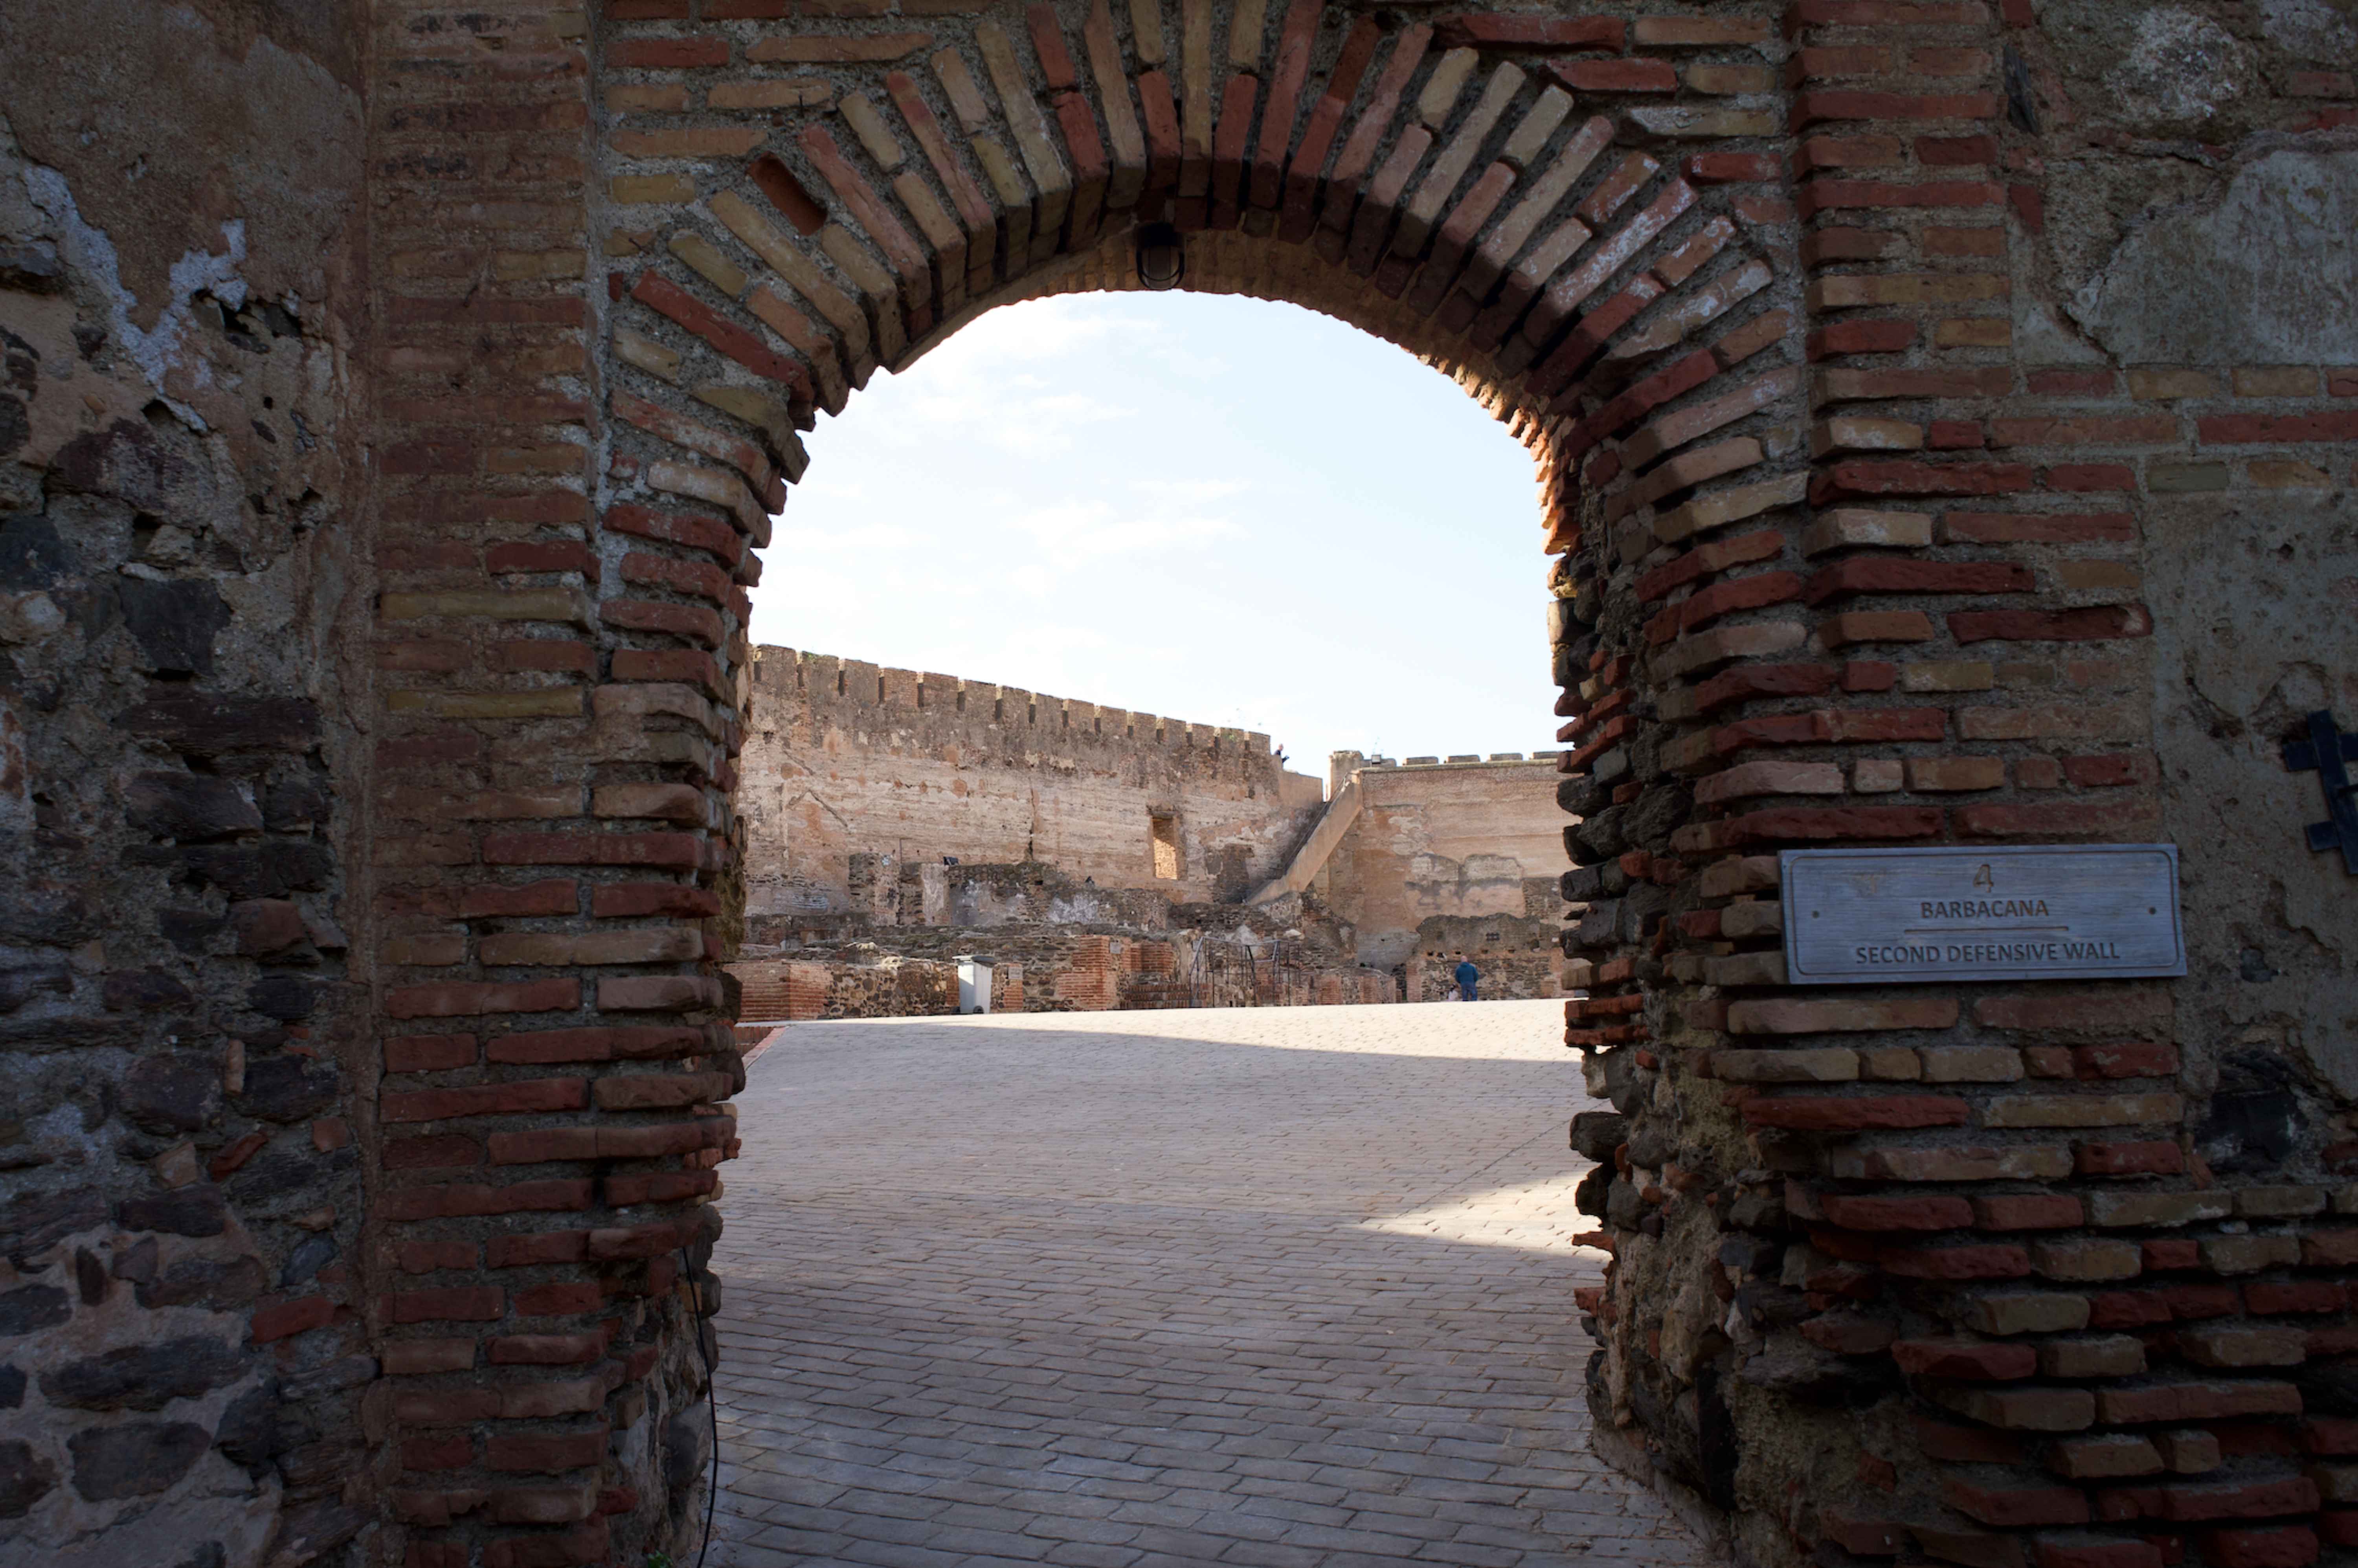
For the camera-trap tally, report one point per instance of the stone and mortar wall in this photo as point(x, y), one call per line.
point(185, 1077)
point(1450, 841)
point(1939, 403)
point(845, 758)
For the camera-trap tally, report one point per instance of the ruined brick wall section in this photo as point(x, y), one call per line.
point(1925, 1270)
point(553, 772)
point(844, 757)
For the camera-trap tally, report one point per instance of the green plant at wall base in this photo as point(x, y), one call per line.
point(658, 1559)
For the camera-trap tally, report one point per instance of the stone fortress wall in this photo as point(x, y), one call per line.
point(896, 819)
point(844, 757)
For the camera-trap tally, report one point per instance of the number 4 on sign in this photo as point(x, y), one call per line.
point(2330, 752)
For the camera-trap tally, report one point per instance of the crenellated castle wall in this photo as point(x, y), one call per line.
point(844, 757)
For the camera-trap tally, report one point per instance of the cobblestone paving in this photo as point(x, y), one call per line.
point(1283, 1287)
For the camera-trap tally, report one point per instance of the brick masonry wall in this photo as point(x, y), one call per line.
point(1941, 418)
point(844, 758)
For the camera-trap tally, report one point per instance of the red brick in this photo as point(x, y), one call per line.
point(1618, 75)
point(660, 294)
point(2192, 1302)
point(1969, 1358)
point(667, 53)
point(2239, 1499)
point(544, 1349)
point(447, 1452)
point(432, 1153)
point(2298, 1295)
point(1730, 169)
point(1897, 1212)
point(541, 556)
point(2096, 623)
point(1821, 103)
point(2095, 1551)
point(691, 622)
point(605, 1045)
point(2014, 1505)
point(429, 1053)
point(1984, 1262)
point(459, 999)
point(1861, 338)
point(2070, 383)
point(2085, 477)
point(1851, 1113)
point(284, 1319)
point(486, 1099)
point(2288, 1547)
point(2195, 1400)
point(1876, 477)
point(546, 1450)
point(2028, 1211)
point(680, 851)
point(1868, 574)
point(2277, 429)
point(1525, 30)
point(2135, 1059)
point(457, 1304)
point(2126, 1309)
point(628, 899)
point(456, 1199)
point(556, 895)
point(2055, 819)
point(2171, 1252)
point(557, 1300)
point(521, 1249)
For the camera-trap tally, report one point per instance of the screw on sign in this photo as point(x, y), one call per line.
point(2330, 752)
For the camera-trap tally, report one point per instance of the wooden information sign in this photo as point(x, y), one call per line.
point(2033, 912)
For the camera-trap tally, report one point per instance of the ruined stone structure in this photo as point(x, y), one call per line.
point(1943, 417)
point(843, 759)
point(880, 803)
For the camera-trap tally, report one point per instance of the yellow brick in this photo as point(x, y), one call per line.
point(664, 96)
point(1845, 290)
point(706, 258)
point(514, 266)
point(560, 702)
point(1730, 79)
point(635, 190)
point(2273, 474)
point(2097, 574)
point(2154, 383)
point(1974, 333)
point(1947, 675)
point(2276, 381)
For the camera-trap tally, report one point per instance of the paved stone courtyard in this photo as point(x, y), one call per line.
point(1282, 1287)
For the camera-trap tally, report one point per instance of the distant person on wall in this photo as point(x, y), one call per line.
point(1468, 976)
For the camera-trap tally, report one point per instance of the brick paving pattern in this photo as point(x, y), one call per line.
point(1279, 1288)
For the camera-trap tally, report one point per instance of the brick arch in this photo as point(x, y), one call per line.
point(1764, 638)
point(1465, 189)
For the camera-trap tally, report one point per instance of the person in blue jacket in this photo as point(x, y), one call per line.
point(1467, 975)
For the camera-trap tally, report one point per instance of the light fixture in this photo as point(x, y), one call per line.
point(1162, 257)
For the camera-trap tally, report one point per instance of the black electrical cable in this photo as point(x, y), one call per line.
point(711, 1402)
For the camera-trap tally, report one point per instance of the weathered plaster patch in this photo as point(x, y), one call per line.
point(2264, 276)
point(160, 350)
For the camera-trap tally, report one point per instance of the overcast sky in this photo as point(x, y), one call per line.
point(1219, 510)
